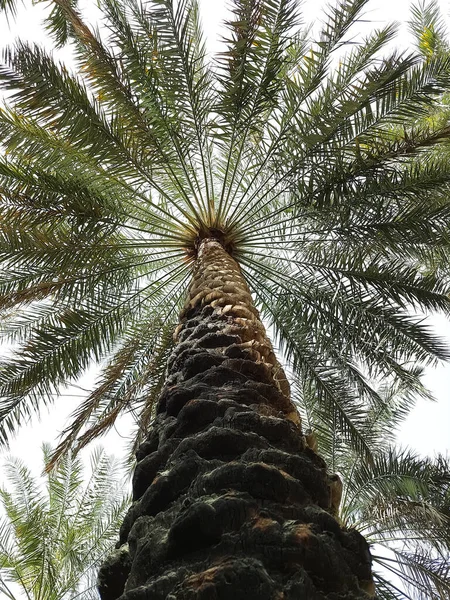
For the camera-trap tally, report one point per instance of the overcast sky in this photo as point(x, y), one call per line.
point(427, 428)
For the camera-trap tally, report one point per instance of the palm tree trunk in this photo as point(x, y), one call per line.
point(229, 500)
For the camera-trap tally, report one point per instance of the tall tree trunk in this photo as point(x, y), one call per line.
point(229, 500)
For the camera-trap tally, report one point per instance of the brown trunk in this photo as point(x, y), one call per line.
point(229, 500)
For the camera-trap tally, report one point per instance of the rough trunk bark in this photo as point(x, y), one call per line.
point(230, 502)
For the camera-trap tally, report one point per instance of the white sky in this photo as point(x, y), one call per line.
point(426, 429)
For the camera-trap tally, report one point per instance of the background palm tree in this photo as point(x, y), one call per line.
point(303, 169)
point(53, 538)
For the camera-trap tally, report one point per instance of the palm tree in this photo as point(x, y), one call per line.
point(53, 537)
point(291, 178)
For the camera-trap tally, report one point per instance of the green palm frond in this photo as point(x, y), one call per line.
point(425, 576)
point(53, 538)
point(315, 159)
point(250, 83)
point(401, 503)
point(428, 27)
point(133, 377)
point(397, 499)
point(9, 6)
point(57, 25)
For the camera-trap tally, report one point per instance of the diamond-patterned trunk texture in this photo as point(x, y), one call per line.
point(230, 503)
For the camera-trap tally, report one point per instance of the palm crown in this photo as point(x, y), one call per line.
point(313, 162)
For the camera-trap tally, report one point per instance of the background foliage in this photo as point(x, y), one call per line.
point(54, 538)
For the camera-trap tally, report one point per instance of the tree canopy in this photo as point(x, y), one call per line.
point(312, 156)
point(319, 159)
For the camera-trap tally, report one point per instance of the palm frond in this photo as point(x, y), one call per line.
point(401, 502)
point(133, 377)
point(424, 576)
point(52, 539)
point(397, 499)
point(250, 82)
point(9, 6)
point(428, 27)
